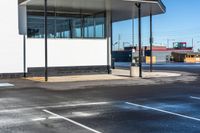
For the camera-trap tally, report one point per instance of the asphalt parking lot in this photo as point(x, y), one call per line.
point(161, 108)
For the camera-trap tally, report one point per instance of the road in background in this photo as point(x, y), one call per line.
point(194, 68)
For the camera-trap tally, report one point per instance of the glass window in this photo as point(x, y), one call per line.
point(89, 27)
point(51, 27)
point(64, 25)
point(35, 27)
point(76, 27)
point(99, 25)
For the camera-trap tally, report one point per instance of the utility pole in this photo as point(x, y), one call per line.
point(119, 41)
point(168, 43)
point(193, 44)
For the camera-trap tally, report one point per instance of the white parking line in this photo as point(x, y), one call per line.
point(6, 85)
point(163, 111)
point(65, 104)
point(72, 121)
point(197, 98)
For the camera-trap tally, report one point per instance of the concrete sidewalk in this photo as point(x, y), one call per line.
point(78, 78)
point(118, 78)
point(122, 72)
point(123, 81)
point(117, 74)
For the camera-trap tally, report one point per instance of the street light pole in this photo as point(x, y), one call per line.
point(168, 41)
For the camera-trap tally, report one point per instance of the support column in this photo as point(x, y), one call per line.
point(108, 34)
point(111, 47)
point(24, 43)
point(133, 28)
point(133, 35)
point(151, 44)
point(139, 39)
point(46, 39)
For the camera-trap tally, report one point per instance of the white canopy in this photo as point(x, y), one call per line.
point(121, 9)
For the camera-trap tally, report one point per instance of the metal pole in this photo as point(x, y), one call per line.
point(24, 55)
point(133, 24)
point(151, 44)
point(133, 28)
point(168, 43)
point(192, 43)
point(119, 40)
point(111, 48)
point(133, 33)
point(139, 39)
point(46, 38)
point(109, 45)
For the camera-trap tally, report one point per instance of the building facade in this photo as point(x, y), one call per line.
point(79, 34)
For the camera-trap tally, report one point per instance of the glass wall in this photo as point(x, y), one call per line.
point(63, 25)
point(89, 27)
point(100, 25)
point(35, 26)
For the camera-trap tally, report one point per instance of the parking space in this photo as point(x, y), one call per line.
point(169, 114)
point(167, 107)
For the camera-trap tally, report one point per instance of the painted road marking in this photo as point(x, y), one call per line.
point(197, 98)
point(6, 85)
point(72, 121)
point(163, 111)
point(55, 106)
point(45, 118)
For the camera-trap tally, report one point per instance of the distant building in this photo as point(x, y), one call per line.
point(187, 57)
point(162, 54)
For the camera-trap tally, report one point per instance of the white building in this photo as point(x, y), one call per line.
point(79, 34)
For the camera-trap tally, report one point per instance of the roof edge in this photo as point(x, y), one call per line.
point(162, 6)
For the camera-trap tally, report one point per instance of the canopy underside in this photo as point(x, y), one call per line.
point(121, 9)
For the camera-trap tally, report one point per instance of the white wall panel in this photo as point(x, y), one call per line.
point(67, 52)
point(62, 52)
point(11, 43)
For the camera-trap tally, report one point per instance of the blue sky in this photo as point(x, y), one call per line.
point(181, 22)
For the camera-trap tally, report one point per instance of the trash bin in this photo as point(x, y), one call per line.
point(134, 70)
